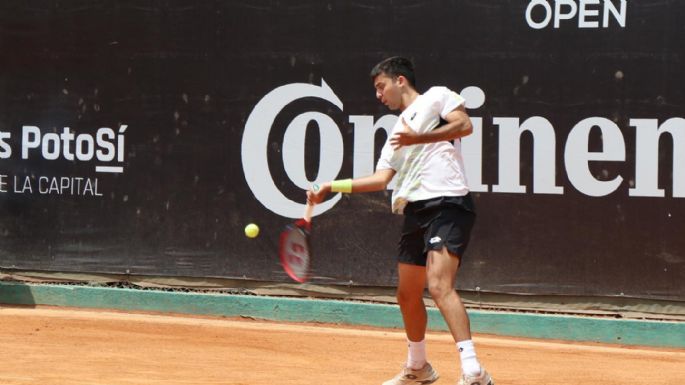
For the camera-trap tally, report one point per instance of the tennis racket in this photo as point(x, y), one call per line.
point(294, 246)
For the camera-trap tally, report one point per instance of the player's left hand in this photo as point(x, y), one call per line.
point(406, 137)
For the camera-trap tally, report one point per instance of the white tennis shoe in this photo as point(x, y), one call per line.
point(408, 376)
point(482, 379)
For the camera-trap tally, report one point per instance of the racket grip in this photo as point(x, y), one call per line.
point(308, 212)
point(310, 206)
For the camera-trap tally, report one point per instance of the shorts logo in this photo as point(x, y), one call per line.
point(435, 240)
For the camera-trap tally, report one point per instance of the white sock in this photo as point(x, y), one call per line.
point(469, 363)
point(416, 357)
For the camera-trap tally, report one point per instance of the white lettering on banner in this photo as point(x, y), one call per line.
point(255, 143)
point(5, 148)
point(586, 11)
point(67, 186)
point(647, 133)
point(544, 155)
point(50, 185)
point(25, 186)
point(472, 145)
point(577, 156)
point(83, 147)
point(293, 148)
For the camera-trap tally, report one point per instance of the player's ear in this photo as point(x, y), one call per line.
point(401, 80)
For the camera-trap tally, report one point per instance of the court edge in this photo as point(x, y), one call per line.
point(666, 334)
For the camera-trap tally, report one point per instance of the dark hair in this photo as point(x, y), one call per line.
point(394, 67)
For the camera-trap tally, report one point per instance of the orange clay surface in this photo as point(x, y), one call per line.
point(54, 346)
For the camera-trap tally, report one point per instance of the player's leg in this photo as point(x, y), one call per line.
point(446, 239)
point(442, 267)
point(412, 282)
point(411, 272)
point(441, 272)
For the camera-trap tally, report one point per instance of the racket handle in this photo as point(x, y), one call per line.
point(308, 212)
point(310, 206)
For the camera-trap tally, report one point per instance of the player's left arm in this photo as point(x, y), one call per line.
point(458, 125)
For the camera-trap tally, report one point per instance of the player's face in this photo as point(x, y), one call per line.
point(388, 91)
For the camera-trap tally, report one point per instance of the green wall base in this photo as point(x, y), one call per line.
point(572, 328)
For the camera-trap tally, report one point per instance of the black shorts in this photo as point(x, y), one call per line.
point(433, 224)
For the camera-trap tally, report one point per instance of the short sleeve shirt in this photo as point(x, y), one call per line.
point(431, 170)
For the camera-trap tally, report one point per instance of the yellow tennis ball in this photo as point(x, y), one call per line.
point(251, 230)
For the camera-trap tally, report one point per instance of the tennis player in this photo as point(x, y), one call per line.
point(432, 194)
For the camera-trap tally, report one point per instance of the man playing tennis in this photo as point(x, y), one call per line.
point(432, 193)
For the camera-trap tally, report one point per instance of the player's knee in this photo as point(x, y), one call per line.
point(439, 290)
point(405, 296)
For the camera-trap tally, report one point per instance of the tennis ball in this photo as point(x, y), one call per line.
point(251, 230)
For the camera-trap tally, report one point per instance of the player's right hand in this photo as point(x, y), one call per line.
point(316, 196)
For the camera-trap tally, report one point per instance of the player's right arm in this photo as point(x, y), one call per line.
point(375, 182)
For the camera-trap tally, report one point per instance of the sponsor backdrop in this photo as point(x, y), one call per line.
point(142, 136)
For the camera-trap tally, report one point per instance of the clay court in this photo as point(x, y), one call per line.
point(60, 346)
